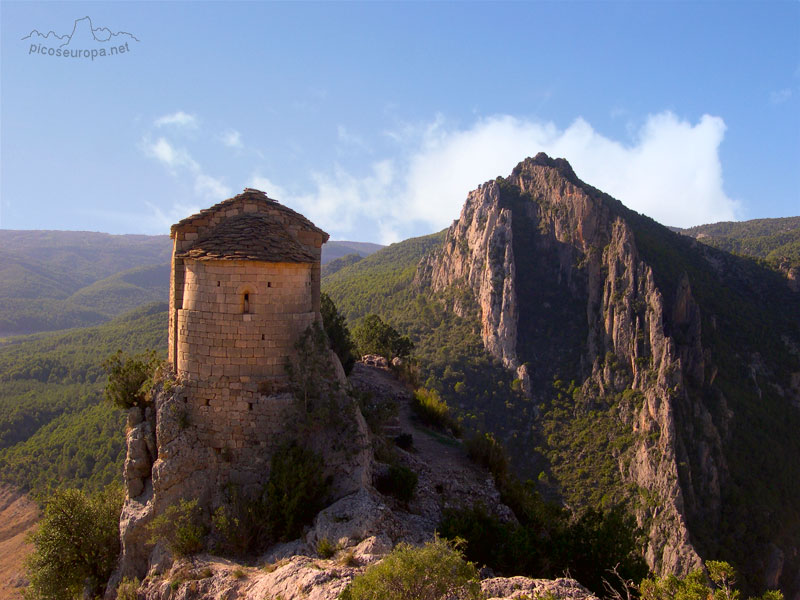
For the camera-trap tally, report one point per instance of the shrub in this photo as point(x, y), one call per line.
point(695, 585)
point(76, 545)
point(435, 571)
point(486, 451)
point(376, 410)
point(296, 490)
point(432, 410)
point(130, 378)
point(338, 333)
point(404, 441)
point(399, 482)
point(126, 590)
point(241, 524)
point(325, 548)
point(181, 527)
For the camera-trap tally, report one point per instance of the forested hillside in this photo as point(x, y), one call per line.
point(774, 240)
point(55, 428)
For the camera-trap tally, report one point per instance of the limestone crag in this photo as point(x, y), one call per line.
point(542, 228)
point(177, 462)
point(478, 251)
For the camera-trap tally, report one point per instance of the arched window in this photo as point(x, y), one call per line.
point(246, 303)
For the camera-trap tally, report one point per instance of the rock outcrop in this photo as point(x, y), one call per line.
point(364, 525)
point(168, 461)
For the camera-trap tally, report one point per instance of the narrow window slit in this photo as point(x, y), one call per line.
point(269, 284)
point(262, 336)
point(246, 304)
point(249, 406)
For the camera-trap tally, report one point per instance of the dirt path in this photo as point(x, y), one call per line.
point(447, 477)
point(18, 516)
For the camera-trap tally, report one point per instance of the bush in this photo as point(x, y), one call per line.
point(325, 548)
point(405, 441)
point(695, 585)
point(373, 336)
point(76, 545)
point(486, 451)
point(130, 378)
point(296, 490)
point(126, 590)
point(338, 333)
point(181, 527)
point(241, 524)
point(433, 411)
point(399, 482)
point(435, 571)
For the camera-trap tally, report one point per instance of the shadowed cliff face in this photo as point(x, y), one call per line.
point(566, 293)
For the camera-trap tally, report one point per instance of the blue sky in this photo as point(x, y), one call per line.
point(376, 119)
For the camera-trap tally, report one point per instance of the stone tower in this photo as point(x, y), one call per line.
point(245, 284)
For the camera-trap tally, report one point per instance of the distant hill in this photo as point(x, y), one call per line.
point(338, 248)
point(774, 240)
point(55, 280)
point(83, 256)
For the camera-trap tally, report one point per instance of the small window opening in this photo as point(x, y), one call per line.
point(269, 284)
point(246, 308)
point(208, 402)
point(249, 406)
point(262, 336)
point(218, 284)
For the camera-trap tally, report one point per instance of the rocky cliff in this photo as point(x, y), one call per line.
point(362, 524)
point(570, 284)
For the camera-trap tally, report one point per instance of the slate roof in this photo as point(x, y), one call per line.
point(249, 236)
point(259, 196)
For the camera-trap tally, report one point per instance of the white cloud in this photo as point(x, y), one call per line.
point(211, 187)
point(169, 155)
point(232, 138)
point(181, 164)
point(780, 96)
point(348, 138)
point(179, 119)
point(671, 172)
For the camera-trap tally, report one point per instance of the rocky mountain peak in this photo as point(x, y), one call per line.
point(561, 165)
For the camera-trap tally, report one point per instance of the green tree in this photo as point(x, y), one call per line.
point(373, 336)
point(296, 490)
point(434, 571)
point(129, 377)
point(338, 333)
point(76, 545)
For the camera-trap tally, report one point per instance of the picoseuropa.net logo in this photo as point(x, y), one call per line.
point(85, 41)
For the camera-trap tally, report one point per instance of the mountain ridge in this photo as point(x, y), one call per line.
point(655, 331)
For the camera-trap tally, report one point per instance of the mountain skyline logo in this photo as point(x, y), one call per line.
point(86, 32)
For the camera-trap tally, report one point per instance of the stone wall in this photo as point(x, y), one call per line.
point(241, 319)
